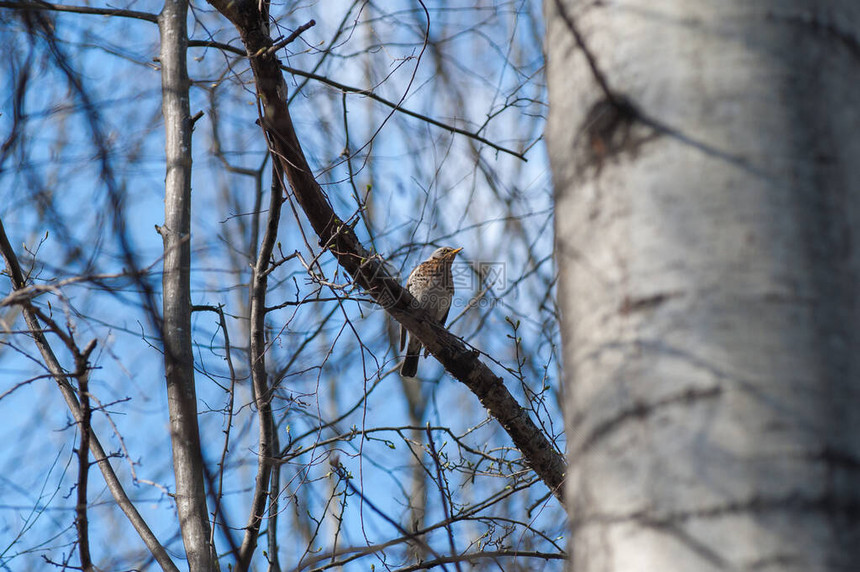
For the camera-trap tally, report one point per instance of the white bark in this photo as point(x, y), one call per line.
point(709, 275)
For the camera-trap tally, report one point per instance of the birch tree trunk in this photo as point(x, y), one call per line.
point(707, 164)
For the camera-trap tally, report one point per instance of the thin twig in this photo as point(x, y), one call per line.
point(231, 392)
point(369, 94)
point(291, 38)
point(101, 458)
point(443, 494)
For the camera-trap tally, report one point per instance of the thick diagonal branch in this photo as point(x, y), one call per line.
point(369, 272)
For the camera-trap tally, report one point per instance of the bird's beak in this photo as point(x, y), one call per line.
point(454, 252)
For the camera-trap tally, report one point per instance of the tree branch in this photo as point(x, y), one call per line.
point(176, 286)
point(149, 17)
point(259, 378)
point(101, 458)
point(47, 6)
point(370, 94)
point(81, 522)
point(369, 271)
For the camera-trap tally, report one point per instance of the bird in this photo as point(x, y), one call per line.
point(432, 285)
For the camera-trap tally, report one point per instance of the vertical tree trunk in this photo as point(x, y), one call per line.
point(176, 232)
point(706, 164)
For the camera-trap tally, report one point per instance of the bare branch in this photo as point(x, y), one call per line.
point(81, 523)
point(369, 271)
point(101, 458)
point(291, 38)
point(471, 558)
point(262, 391)
point(443, 492)
point(176, 333)
point(47, 6)
point(371, 95)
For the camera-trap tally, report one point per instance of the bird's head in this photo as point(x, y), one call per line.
point(445, 253)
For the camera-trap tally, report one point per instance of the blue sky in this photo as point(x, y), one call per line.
point(427, 186)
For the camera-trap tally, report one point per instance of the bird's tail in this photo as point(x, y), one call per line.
point(409, 367)
point(410, 364)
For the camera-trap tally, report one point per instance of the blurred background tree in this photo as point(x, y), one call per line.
point(704, 158)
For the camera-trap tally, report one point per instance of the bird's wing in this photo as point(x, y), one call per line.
point(411, 278)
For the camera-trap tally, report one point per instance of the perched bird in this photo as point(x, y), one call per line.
point(432, 284)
